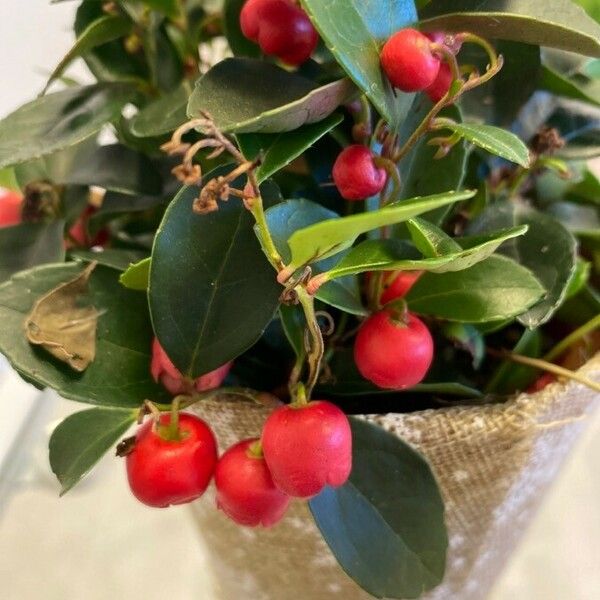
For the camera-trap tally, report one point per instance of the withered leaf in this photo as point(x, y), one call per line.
point(63, 325)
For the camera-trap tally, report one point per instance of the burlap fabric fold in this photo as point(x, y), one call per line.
point(492, 462)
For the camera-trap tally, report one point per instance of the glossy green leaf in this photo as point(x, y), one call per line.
point(331, 236)
point(554, 23)
point(244, 95)
point(224, 293)
point(496, 288)
point(548, 250)
point(120, 374)
point(105, 29)
point(278, 150)
point(29, 244)
point(493, 139)
point(354, 31)
point(137, 275)
point(292, 215)
point(397, 255)
point(82, 439)
point(164, 114)
point(58, 120)
point(239, 44)
point(577, 88)
point(385, 526)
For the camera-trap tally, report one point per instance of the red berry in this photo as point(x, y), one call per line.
point(439, 88)
point(539, 384)
point(245, 490)
point(308, 447)
point(393, 354)
point(78, 233)
point(408, 61)
point(281, 28)
point(165, 372)
point(396, 284)
point(356, 175)
point(162, 471)
point(10, 207)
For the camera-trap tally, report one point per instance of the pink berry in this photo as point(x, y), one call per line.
point(355, 174)
point(245, 490)
point(439, 88)
point(308, 447)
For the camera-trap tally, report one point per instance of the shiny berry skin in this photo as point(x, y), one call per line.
point(396, 284)
point(391, 354)
point(308, 447)
point(10, 208)
point(439, 88)
point(355, 174)
point(165, 372)
point(408, 61)
point(162, 472)
point(245, 490)
point(281, 28)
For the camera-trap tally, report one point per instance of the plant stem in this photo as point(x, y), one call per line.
point(317, 347)
point(266, 240)
point(573, 337)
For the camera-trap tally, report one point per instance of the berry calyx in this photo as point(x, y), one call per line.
point(408, 61)
point(393, 353)
point(355, 174)
point(164, 471)
point(11, 205)
point(439, 88)
point(245, 489)
point(396, 284)
point(165, 372)
point(308, 446)
point(281, 28)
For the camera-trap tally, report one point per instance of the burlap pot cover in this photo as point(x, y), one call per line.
point(492, 462)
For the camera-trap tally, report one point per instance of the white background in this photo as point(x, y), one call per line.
point(97, 543)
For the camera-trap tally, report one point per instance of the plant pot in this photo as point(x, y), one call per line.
point(493, 463)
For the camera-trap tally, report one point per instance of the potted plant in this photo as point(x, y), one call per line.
point(267, 219)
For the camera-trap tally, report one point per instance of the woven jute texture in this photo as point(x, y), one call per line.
point(492, 462)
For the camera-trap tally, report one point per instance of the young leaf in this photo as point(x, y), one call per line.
point(137, 275)
point(120, 374)
point(548, 250)
point(278, 150)
point(385, 526)
point(354, 32)
point(225, 292)
point(63, 324)
point(58, 120)
point(244, 95)
point(555, 23)
point(81, 440)
point(494, 289)
point(493, 139)
point(105, 29)
point(29, 244)
point(398, 255)
point(331, 236)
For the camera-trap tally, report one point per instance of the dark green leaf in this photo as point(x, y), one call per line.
point(29, 244)
point(468, 338)
point(137, 275)
point(225, 292)
point(164, 114)
point(103, 30)
point(386, 525)
point(294, 325)
point(331, 236)
point(279, 150)
point(554, 23)
point(547, 249)
point(577, 88)
point(58, 120)
point(493, 139)
point(244, 95)
point(120, 373)
point(114, 258)
point(81, 440)
point(354, 32)
point(496, 288)
point(239, 44)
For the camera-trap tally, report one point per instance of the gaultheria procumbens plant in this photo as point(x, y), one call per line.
point(349, 207)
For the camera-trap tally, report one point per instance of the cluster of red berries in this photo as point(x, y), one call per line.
point(304, 447)
point(281, 28)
